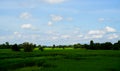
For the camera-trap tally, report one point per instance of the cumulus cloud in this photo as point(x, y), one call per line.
point(93, 36)
point(69, 19)
point(50, 23)
point(54, 1)
point(80, 36)
point(101, 19)
point(25, 15)
point(27, 26)
point(113, 36)
point(54, 37)
point(110, 29)
point(76, 32)
point(96, 32)
point(17, 34)
point(101, 33)
point(65, 36)
point(56, 18)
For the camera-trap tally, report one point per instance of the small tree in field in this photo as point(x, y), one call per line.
point(91, 44)
point(41, 48)
point(53, 46)
point(76, 46)
point(28, 47)
point(15, 47)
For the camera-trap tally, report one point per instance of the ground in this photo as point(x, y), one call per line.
point(60, 60)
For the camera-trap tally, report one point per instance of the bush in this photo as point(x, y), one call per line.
point(41, 48)
point(28, 47)
point(15, 47)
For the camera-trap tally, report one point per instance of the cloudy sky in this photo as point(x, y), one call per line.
point(50, 22)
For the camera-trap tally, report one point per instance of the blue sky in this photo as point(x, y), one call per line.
point(49, 22)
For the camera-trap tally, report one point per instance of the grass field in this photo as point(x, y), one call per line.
point(60, 60)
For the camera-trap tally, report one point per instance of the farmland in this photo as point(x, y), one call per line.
point(60, 60)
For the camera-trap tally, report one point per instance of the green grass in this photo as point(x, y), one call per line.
point(60, 60)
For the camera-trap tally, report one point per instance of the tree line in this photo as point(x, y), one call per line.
point(29, 47)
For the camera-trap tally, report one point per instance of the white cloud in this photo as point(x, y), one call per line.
point(50, 23)
point(65, 36)
point(49, 32)
point(27, 26)
point(56, 18)
point(54, 37)
point(109, 29)
point(54, 1)
point(113, 36)
point(25, 15)
point(76, 32)
point(101, 33)
point(96, 32)
point(97, 36)
point(69, 19)
point(80, 36)
point(101, 19)
point(17, 34)
point(93, 36)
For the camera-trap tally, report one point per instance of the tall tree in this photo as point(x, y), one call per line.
point(15, 47)
point(7, 45)
point(91, 44)
point(53, 46)
point(41, 48)
point(28, 47)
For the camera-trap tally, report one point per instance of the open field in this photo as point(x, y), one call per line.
point(60, 60)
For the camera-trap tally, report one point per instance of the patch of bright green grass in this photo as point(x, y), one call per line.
point(60, 60)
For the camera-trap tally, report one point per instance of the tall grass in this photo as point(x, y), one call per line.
point(60, 60)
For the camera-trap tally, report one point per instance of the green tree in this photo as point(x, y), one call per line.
point(91, 44)
point(41, 48)
point(97, 46)
point(15, 47)
point(53, 46)
point(7, 45)
point(77, 46)
point(116, 46)
point(28, 47)
point(86, 46)
point(106, 46)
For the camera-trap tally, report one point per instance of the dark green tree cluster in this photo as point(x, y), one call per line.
point(29, 47)
point(15, 47)
point(116, 46)
point(103, 46)
point(5, 45)
point(26, 46)
point(41, 48)
point(76, 46)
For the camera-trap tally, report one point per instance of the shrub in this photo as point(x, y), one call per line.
point(15, 47)
point(28, 47)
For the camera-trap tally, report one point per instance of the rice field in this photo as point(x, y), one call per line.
point(60, 60)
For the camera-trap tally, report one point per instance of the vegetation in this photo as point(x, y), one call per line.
point(15, 47)
point(41, 48)
point(60, 60)
point(76, 57)
point(29, 47)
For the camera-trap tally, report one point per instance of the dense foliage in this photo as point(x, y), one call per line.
point(28, 47)
point(60, 60)
point(15, 47)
